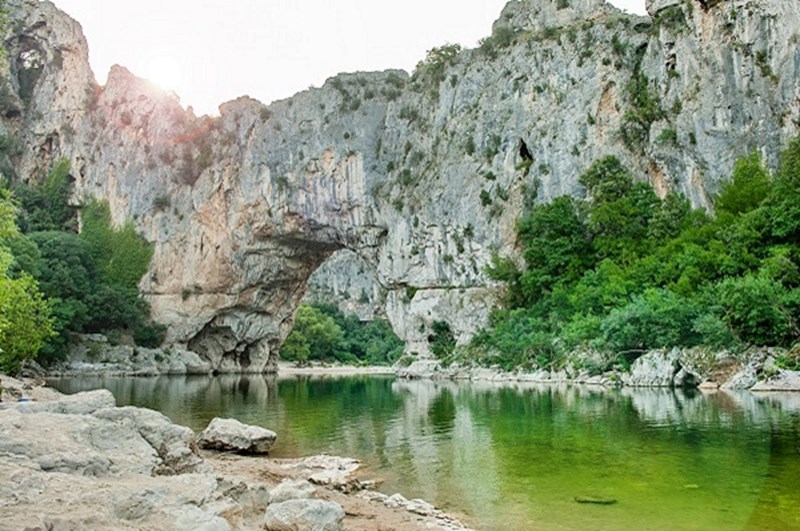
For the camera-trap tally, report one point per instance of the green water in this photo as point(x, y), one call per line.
point(515, 457)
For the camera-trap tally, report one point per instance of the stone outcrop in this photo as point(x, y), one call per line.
point(754, 369)
point(419, 177)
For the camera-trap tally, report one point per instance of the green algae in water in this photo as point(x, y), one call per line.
point(517, 457)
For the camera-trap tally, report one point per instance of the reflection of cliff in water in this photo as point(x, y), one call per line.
point(515, 455)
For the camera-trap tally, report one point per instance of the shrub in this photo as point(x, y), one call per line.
point(656, 318)
point(122, 255)
point(755, 308)
point(441, 340)
point(46, 207)
point(748, 188)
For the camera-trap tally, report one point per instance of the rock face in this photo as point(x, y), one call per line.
point(420, 178)
point(233, 436)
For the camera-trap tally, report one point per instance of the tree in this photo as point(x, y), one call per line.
point(557, 246)
point(46, 207)
point(748, 188)
point(606, 180)
point(755, 308)
point(25, 321)
point(122, 256)
point(314, 336)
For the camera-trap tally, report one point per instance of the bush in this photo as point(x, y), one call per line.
point(757, 309)
point(149, 335)
point(441, 340)
point(122, 255)
point(25, 322)
point(46, 207)
point(25, 316)
point(656, 318)
point(748, 188)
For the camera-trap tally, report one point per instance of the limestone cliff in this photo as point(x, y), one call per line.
point(417, 179)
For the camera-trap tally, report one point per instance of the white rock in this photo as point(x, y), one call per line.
point(783, 381)
point(292, 489)
point(304, 515)
point(232, 435)
point(174, 444)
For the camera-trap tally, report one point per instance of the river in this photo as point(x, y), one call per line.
point(516, 456)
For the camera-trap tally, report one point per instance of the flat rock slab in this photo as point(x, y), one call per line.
point(230, 435)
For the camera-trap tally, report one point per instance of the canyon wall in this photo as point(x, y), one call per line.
point(398, 187)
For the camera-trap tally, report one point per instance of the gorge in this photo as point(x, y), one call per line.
point(395, 186)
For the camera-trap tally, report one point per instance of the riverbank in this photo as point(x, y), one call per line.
point(94, 356)
point(292, 369)
point(78, 461)
point(757, 370)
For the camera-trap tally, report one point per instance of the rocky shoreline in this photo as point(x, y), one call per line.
point(755, 370)
point(80, 462)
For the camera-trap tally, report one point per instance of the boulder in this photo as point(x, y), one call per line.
point(782, 381)
point(657, 368)
point(292, 489)
point(329, 471)
point(304, 515)
point(174, 444)
point(230, 435)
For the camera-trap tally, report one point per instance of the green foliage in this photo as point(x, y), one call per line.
point(89, 280)
point(433, 68)
point(322, 332)
point(557, 246)
point(748, 188)
point(441, 340)
point(668, 136)
point(25, 322)
point(501, 37)
point(656, 318)
point(606, 179)
point(46, 207)
point(644, 108)
point(25, 316)
point(122, 255)
point(625, 271)
point(758, 310)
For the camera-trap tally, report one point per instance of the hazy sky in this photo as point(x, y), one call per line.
point(211, 51)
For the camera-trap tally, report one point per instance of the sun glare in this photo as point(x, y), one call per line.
point(164, 72)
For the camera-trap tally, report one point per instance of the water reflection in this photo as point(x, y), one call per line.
point(516, 455)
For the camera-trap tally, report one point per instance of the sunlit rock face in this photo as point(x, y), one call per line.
point(419, 179)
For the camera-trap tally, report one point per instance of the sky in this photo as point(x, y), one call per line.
point(212, 51)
